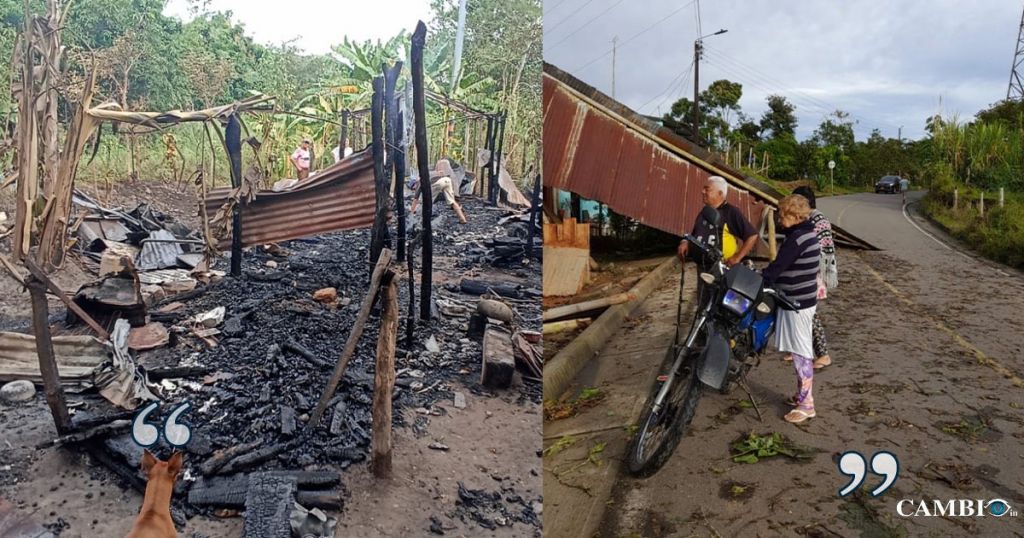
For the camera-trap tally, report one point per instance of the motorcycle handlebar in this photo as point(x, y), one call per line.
point(792, 304)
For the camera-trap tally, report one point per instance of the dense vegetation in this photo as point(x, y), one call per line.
point(768, 146)
point(149, 61)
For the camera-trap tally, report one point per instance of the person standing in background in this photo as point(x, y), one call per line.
point(301, 158)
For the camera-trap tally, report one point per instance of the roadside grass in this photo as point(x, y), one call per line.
point(997, 235)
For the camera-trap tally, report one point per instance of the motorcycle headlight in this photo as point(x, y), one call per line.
point(736, 303)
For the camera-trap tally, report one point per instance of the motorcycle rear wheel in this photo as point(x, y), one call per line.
point(659, 433)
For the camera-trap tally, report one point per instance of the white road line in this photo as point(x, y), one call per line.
point(933, 238)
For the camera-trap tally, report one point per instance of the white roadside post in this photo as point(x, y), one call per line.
point(831, 176)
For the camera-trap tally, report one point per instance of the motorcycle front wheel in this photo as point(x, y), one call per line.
point(659, 432)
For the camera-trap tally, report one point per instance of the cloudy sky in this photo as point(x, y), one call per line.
point(315, 25)
point(889, 64)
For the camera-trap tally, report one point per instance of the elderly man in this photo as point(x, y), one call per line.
point(300, 159)
point(440, 182)
point(738, 235)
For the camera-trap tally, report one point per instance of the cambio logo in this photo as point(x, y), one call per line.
point(955, 508)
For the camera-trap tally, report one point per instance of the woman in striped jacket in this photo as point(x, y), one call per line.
point(794, 273)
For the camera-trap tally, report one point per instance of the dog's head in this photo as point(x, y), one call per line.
point(156, 469)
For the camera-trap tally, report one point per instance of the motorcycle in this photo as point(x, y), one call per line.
point(732, 326)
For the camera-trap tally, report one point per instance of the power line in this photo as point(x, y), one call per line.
point(636, 35)
point(673, 94)
point(767, 87)
point(673, 84)
point(549, 29)
point(592, 19)
point(554, 7)
point(827, 107)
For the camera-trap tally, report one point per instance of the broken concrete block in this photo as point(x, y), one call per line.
point(326, 295)
point(499, 362)
point(17, 391)
point(431, 345)
point(112, 263)
point(459, 400)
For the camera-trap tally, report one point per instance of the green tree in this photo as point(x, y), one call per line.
point(780, 118)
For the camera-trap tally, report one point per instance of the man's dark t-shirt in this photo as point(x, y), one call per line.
point(735, 230)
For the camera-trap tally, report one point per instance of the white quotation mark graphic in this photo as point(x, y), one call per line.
point(176, 434)
point(883, 464)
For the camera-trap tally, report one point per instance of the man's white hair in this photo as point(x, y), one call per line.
point(721, 183)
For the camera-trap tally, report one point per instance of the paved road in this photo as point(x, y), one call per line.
point(927, 342)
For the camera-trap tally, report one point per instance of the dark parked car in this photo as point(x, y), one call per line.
point(889, 184)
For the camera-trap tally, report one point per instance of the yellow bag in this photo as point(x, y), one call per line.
point(729, 244)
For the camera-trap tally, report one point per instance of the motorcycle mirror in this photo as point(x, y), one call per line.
point(708, 278)
point(711, 215)
point(764, 308)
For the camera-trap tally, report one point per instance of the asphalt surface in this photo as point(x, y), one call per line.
point(928, 350)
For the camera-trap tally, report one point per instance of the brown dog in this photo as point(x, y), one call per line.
point(154, 519)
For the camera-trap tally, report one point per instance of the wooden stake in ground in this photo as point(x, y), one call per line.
point(384, 383)
point(353, 339)
point(47, 363)
point(420, 116)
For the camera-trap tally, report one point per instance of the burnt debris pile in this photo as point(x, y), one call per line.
point(251, 356)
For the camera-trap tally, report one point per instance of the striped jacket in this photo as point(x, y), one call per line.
point(795, 270)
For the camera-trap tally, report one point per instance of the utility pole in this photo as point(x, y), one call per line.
point(698, 47)
point(1016, 88)
point(900, 134)
point(696, 89)
point(614, 46)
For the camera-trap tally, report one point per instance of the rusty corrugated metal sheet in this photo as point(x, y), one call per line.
point(600, 149)
point(626, 165)
point(340, 197)
point(76, 356)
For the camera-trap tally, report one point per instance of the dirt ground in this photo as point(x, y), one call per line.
point(493, 448)
point(928, 365)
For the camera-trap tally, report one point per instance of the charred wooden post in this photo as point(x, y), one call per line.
point(233, 142)
point(497, 166)
point(534, 207)
point(391, 130)
point(343, 138)
point(420, 115)
point(400, 183)
point(353, 338)
point(377, 235)
point(47, 362)
point(485, 172)
point(384, 382)
point(410, 318)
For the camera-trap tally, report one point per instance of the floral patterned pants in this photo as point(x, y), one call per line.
point(805, 381)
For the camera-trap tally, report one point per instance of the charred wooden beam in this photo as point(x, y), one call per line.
point(420, 114)
point(380, 215)
point(103, 430)
point(223, 456)
point(233, 142)
point(497, 167)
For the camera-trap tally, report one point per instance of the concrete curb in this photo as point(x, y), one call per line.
point(568, 362)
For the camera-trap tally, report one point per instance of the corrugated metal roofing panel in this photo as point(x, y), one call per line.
point(341, 197)
point(600, 149)
point(76, 357)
